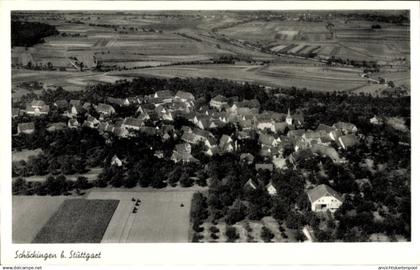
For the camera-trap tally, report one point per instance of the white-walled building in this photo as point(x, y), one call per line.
point(324, 198)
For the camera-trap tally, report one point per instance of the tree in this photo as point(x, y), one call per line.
point(231, 234)
point(19, 186)
point(236, 213)
point(82, 183)
point(266, 234)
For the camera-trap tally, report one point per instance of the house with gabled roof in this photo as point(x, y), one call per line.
point(324, 198)
point(56, 126)
point(264, 166)
point(271, 189)
point(37, 108)
point(118, 101)
point(184, 96)
point(268, 140)
point(26, 128)
point(247, 157)
point(132, 123)
point(105, 109)
point(73, 123)
point(348, 141)
point(115, 161)
point(250, 184)
point(226, 143)
point(182, 153)
point(61, 104)
point(91, 122)
point(345, 127)
point(218, 102)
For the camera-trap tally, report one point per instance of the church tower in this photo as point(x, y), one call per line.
point(289, 119)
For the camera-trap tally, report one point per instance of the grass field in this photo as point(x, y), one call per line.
point(30, 214)
point(78, 221)
point(160, 218)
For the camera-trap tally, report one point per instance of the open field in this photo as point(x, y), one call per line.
point(30, 214)
point(159, 218)
point(316, 78)
point(25, 154)
point(78, 221)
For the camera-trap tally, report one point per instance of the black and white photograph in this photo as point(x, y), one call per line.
point(266, 126)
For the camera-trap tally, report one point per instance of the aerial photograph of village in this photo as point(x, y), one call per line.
point(211, 126)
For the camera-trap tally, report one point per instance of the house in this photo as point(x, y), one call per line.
point(91, 122)
point(344, 127)
point(225, 143)
point(115, 161)
point(105, 109)
point(61, 104)
point(247, 157)
point(37, 107)
point(348, 141)
point(182, 153)
point(166, 96)
point(279, 162)
point(300, 155)
point(323, 198)
point(271, 189)
point(218, 102)
point(264, 121)
point(250, 184)
point(264, 166)
point(132, 123)
point(376, 120)
point(15, 112)
point(56, 126)
point(327, 151)
point(73, 123)
point(26, 128)
point(184, 96)
point(75, 102)
point(118, 101)
point(267, 140)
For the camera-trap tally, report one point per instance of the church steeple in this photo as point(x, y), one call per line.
point(289, 119)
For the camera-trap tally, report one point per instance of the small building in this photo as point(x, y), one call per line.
point(56, 126)
point(225, 143)
point(323, 198)
point(348, 141)
point(346, 128)
point(61, 104)
point(271, 189)
point(73, 123)
point(250, 184)
point(37, 108)
point(218, 102)
point(247, 157)
point(184, 96)
point(132, 123)
point(105, 109)
point(115, 161)
point(26, 128)
point(264, 166)
point(91, 122)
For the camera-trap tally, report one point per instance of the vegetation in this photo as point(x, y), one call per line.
point(27, 34)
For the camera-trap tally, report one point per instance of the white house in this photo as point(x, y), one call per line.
point(271, 189)
point(324, 198)
point(116, 161)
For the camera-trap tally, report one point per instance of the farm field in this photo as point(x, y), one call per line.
point(159, 218)
point(315, 78)
point(78, 221)
point(30, 214)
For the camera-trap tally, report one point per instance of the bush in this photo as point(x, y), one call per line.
point(266, 234)
point(214, 236)
point(231, 234)
point(214, 229)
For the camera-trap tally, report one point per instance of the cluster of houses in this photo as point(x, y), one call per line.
point(275, 131)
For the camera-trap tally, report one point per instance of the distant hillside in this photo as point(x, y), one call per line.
point(29, 33)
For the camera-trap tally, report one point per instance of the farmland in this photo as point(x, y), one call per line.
point(112, 47)
point(318, 78)
point(30, 214)
point(78, 221)
point(160, 218)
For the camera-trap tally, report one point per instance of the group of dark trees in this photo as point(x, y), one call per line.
point(27, 34)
